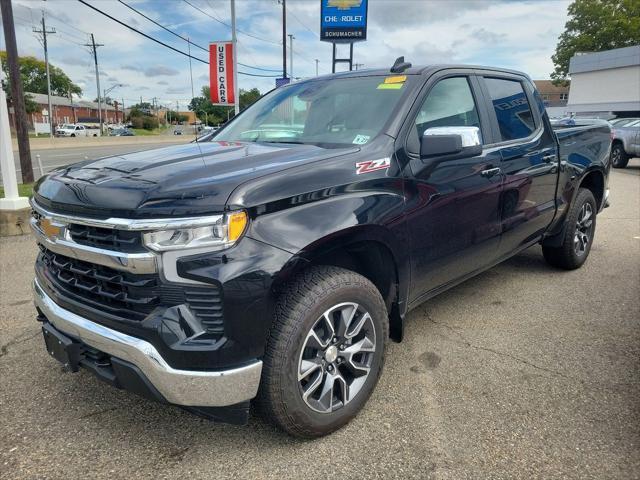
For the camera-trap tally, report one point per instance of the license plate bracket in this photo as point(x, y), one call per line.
point(61, 347)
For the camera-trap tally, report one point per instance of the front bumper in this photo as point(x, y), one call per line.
point(180, 387)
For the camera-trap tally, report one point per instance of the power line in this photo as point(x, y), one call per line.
point(186, 39)
point(162, 43)
point(229, 26)
point(300, 21)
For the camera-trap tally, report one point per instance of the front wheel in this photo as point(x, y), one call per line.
point(578, 236)
point(325, 352)
point(619, 158)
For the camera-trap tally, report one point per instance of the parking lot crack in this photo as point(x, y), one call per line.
point(4, 349)
point(464, 341)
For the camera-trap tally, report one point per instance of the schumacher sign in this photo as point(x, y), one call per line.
point(221, 73)
point(343, 20)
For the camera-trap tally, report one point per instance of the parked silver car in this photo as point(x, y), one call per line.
point(626, 143)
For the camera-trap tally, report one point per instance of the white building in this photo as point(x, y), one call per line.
point(605, 83)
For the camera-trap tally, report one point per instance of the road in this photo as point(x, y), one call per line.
point(521, 372)
point(57, 157)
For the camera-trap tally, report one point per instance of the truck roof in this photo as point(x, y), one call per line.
point(419, 70)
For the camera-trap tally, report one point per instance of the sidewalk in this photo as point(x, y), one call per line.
point(65, 142)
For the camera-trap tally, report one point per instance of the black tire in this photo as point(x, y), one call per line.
point(570, 255)
point(619, 158)
point(299, 309)
point(73, 135)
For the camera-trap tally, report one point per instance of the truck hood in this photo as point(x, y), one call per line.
point(189, 179)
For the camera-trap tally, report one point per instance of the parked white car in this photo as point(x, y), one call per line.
point(73, 130)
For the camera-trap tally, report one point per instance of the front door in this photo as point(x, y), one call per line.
point(452, 205)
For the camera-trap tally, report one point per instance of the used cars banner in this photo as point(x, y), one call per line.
point(221, 73)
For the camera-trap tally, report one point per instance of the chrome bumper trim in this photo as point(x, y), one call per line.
point(181, 387)
point(128, 262)
point(129, 223)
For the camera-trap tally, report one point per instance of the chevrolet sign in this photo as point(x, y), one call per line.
point(343, 20)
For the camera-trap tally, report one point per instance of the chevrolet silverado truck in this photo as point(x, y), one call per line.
point(626, 143)
point(73, 130)
point(269, 264)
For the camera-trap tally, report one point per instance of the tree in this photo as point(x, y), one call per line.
point(34, 77)
point(216, 114)
point(176, 117)
point(29, 104)
point(107, 100)
point(594, 26)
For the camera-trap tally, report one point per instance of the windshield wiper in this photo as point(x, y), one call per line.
point(288, 141)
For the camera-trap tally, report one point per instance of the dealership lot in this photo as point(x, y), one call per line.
point(522, 371)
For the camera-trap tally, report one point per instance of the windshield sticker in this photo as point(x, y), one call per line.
point(396, 79)
point(372, 165)
point(390, 86)
point(361, 139)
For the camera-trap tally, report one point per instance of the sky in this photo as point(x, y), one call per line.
point(521, 35)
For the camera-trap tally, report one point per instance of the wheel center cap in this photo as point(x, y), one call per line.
point(331, 354)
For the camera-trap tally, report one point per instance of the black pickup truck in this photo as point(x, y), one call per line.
point(271, 262)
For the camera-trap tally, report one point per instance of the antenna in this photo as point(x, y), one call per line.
point(400, 65)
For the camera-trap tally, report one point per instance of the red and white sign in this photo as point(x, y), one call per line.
point(221, 73)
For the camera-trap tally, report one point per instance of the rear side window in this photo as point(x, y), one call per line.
point(512, 108)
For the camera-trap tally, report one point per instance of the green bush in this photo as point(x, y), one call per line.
point(144, 121)
point(149, 123)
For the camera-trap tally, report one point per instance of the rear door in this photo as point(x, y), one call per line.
point(529, 161)
point(452, 205)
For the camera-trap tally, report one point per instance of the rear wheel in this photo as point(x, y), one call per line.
point(619, 158)
point(325, 352)
point(578, 235)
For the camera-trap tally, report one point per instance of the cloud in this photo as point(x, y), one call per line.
point(176, 90)
point(153, 71)
point(519, 34)
point(484, 35)
point(79, 61)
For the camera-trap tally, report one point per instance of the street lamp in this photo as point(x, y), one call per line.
point(206, 117)
point(108, 90)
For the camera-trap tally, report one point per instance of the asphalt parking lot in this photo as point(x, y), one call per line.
point(521, 372)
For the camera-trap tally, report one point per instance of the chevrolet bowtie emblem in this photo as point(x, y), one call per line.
point(344, 4)
point(49, 229)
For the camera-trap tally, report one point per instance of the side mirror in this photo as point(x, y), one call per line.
point(450, 142)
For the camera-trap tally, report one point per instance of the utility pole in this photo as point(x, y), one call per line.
point(291, 38)
point(44, 33)
point(284, 38)
point(73, 107)
point(17, 94)
point(317, 66)
point(94, 46)
point(234, 40)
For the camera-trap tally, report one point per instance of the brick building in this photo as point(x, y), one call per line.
point(68, 111)
point(553, 95)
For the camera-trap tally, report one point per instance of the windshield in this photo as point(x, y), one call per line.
point(331, 112)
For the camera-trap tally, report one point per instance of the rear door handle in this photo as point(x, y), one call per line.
point(549, 158)
point(490, 172)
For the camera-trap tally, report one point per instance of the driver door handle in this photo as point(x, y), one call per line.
point(490, 172)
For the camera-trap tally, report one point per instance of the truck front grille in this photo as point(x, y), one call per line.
point(117, 240)
point(126, 295)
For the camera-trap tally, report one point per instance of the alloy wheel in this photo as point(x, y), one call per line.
point(582, 235)
point(336, 357)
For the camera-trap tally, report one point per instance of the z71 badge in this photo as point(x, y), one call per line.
point(372, 165)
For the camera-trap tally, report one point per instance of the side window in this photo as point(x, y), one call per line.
point(449, 104)
point(512, 108)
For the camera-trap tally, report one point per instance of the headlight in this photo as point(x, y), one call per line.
point(221, 233)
